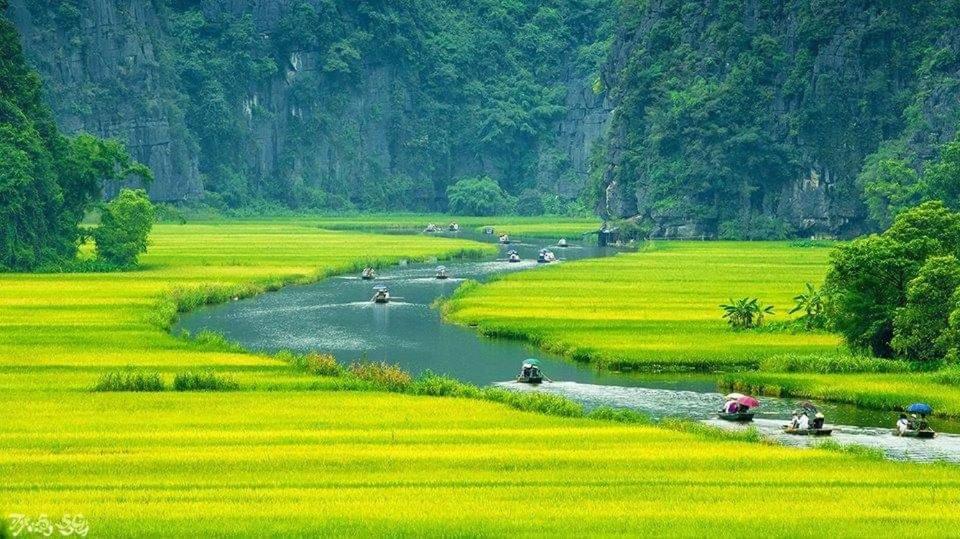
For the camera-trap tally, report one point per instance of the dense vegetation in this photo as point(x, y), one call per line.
point(896, 293)
point(47, 181)
point(769, 118)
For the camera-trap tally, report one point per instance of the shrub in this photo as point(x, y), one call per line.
point(124, 227)
point(435, 385)
point(129, 381)
point(321, 365)
point(478, 196)
point(383, 376)
point(530, 203)
point(204, 381)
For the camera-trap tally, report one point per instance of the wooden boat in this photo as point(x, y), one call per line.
point(512, 256)
point(546, 256)
point(925, 434)
point(381, 295)
point(504, 239)
point(454, 227)
point(368, 274)
point(562, 242)
point(535, 378)
point(807, 432)
point(736, 416)
point(442, 273)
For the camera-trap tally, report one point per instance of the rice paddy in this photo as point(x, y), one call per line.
point(290, 454)
point(655, 309)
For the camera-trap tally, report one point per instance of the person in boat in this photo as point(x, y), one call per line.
point(803, 422)
point(818, 420)
point(795, 421)
point(922, 423)
point(731, 407)
point(903, 425)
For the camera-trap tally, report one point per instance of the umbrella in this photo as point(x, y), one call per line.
point(809, 406)
point(735, 396)
point(920, 408)
point(533, 362)
point(749, 402)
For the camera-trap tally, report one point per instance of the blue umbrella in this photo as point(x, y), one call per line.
point(920, 408)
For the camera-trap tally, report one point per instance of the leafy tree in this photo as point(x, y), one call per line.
point(943, 176)
point(530, 203)
point(889, 186)
point(869, 278)
point(811, 303)
point(477, 196)
point(920, 327)
point(125, 224)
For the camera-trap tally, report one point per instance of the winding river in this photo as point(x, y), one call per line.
point(336, 316)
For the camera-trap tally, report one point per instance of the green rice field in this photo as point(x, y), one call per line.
point(291, 454)
point(658, 308)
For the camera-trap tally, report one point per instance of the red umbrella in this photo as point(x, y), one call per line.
point(749, 402)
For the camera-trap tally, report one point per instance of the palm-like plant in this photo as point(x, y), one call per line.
point(745, 313)
point(811, 303)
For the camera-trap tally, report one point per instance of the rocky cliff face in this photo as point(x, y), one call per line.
point(306, 135)
point(110, 44)
point(701, 89)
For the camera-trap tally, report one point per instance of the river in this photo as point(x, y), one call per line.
point(336, 316)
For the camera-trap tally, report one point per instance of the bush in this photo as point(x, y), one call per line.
point(478, 196)
point(383, 376)
point(205, 381)
point(321, 365)
point(125, 224)
point(530, 203)
point(435, 385)
point(129, 381)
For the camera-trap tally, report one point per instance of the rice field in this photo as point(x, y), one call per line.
point(294, 455)
point(655, 309)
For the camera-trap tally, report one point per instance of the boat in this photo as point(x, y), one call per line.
point(504, 239)
point(488, 230)
point(562, 242)
point(442, 272)
point(512, 256)
point(380, 294)
point(454, 227)
point(546, 256)
point(368, 274)
point(431, 228)
point(530, 372)
point(924, 434)
point(807, 432)
point(736, 416)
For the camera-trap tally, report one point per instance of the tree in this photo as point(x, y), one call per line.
point(745, 313)
point(869, 277)
point(477, 196)
point(943, 177)
point(124, 227)
point(889, 186)
point(920, 327)
point(811, 303)
point(530, 203)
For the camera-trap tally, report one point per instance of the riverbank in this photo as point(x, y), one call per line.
point(277, 459)
point(656, 310)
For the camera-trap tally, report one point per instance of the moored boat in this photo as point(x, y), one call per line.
point(454, 227)
point(562, 242)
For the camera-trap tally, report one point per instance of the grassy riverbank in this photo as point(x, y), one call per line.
point(292, 454)
point(657, 309)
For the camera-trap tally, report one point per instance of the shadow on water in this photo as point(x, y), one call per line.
point(336, 316)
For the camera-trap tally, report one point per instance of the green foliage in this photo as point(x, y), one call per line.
point(810, 302)
point(383, 376)
point(204, 381)
point(870, 278)
point(889, 186)
point(47, 182)
point(125, 225)
point(920, 326)
point(832, 364)
point(530, 202)
point(745, 313)
point(129, 381)
point(478, 196)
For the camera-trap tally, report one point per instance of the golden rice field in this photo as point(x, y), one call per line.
point(294, 455)
point(658, 308)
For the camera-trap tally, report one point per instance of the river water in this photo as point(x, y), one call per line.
point(336, 316)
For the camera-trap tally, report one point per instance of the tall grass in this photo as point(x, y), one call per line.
point(128, 380)
point(833, 364)
point(204, 381)
point(382, 376)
